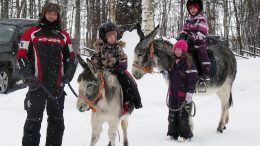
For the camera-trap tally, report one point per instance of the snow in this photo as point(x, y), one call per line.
point(148, 126)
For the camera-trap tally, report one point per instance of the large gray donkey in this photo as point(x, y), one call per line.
point(150, 53)
point(100, 91)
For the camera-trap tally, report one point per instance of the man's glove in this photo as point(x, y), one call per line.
point(69, 73)
point(188, 97)
point(24, 67)
point(32, 83)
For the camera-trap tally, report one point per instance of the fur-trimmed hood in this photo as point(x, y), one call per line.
point(100, 43)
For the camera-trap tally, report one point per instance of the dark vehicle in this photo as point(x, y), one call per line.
point(10, 33)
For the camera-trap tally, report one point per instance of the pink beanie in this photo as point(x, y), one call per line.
point(181, 44)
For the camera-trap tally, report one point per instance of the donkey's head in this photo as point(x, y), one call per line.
point(143, 61)
point(89, 85)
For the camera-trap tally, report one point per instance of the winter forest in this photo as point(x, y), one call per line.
point(238, 21)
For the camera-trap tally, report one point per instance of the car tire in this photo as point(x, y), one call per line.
point(5, 80)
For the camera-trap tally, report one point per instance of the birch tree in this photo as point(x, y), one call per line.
point(147, 16)
point(112, 10)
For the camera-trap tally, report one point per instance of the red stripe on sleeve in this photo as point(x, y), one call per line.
point(21, 53)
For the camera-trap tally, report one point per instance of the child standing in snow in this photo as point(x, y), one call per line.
point(182, 79)
point(196, 28)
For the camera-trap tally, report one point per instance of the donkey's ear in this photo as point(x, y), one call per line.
point(82, 62)
point(91, 66)
point(152, 35)
point(139, 31)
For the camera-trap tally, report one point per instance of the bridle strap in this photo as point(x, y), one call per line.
point(91, 104)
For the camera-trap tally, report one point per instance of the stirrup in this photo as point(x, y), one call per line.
point(202, 87)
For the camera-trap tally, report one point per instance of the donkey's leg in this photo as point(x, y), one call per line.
point(112, 131)
point(224, 95)
point(124, 124)
point(96, 130)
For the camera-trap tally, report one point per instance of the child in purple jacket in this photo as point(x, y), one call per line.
point(182, 78)
point(197, 28)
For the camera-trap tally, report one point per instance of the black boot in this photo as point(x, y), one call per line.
point(55, 131)
point(32, 134)
point(136, 97)
point(138, 105)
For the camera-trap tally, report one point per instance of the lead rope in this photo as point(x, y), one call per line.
point(171, 109)
point(118, 135)
point(72, 90)
point(194, 109)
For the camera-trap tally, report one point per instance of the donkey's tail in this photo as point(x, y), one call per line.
point(230, 101)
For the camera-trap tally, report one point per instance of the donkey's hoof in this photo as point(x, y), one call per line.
point(224, 128)
point(219, 130)
point(125, 143)
point(109, 144)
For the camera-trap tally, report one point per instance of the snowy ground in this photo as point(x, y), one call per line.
point(148, 126)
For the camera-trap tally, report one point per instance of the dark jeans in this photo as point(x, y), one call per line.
point(35, 103)
point(179, 123)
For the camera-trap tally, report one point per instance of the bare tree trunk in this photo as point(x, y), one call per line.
point(164, 18)
point(77, 24)
point(35, 11)
point(64, 12)
point(214, 16)
point(39, 6)
point(5, 9)
point(88, 32)
point(238, 28)
point(225, 20)
point(12, 9)
point(31, 8)
point(1, 8)
point(19, 8)
point(147, 16)
point(181, 15)
point(24, 9)
point(71, 21)
point(211, 15)
point(112, 10)
point(104, 14)
point(96, 21)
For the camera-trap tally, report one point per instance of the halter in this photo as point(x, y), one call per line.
point(92, 103)
point(151, 57)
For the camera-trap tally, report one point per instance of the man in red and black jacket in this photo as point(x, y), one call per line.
point(47, 62)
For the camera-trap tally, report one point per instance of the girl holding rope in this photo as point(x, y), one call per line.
point(182, 78)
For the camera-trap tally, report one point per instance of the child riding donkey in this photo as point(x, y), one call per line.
point(110, 56)
point(195, 30)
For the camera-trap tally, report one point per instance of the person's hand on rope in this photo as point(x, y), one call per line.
point(69, 73)
point(31, 82)
point(188, 98)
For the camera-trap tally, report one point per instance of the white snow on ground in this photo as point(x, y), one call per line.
point(148, 126)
